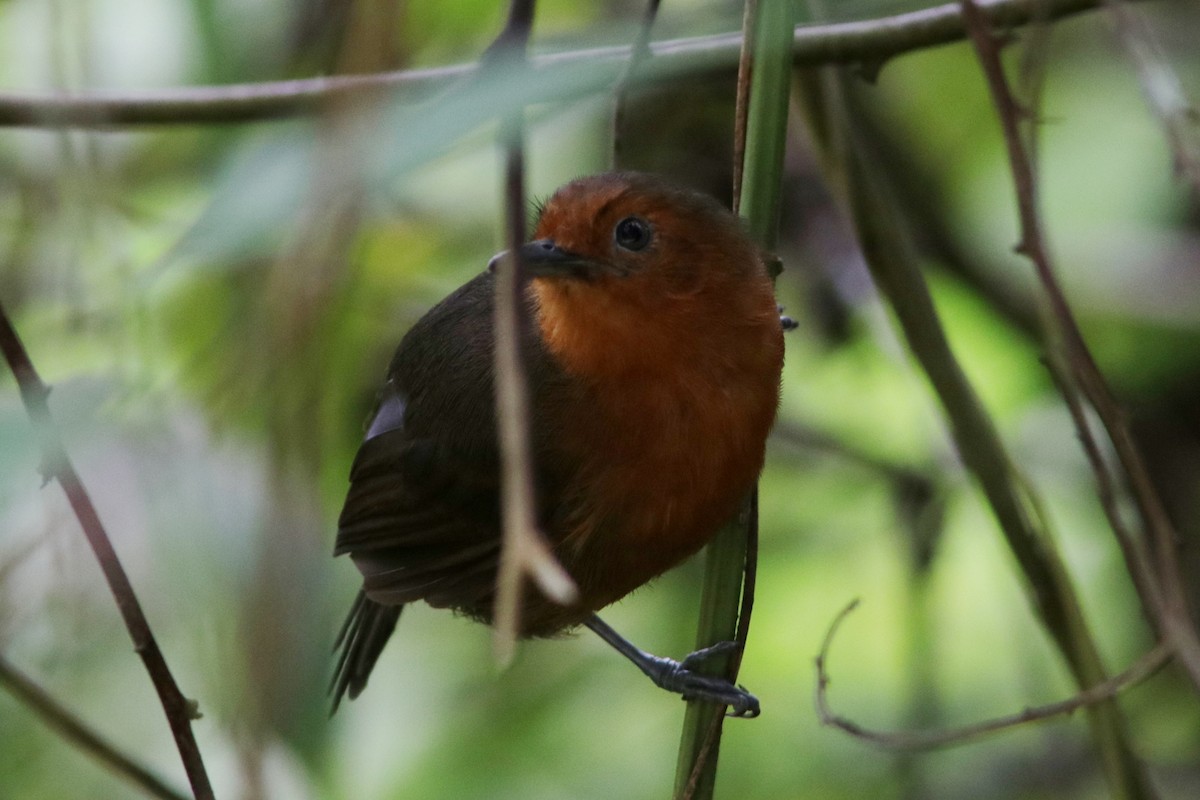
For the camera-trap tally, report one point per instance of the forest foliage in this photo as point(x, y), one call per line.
point(214, 306)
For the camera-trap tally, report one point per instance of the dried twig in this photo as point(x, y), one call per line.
point(862, 41)
point(74, 730)
point(1133, 548)
point(56, 464)
point(802, 437)
point(1172, 612)
point(896, 269)
point(1141, 669)
point(524, 551)
point(741, 108)
point(1164, 91)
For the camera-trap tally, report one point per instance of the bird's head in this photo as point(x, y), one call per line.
point(615, 229)
point(620, 261)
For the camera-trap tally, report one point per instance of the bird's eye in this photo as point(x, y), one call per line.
point(633, 233)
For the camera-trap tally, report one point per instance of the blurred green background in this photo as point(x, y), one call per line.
point(215, 307)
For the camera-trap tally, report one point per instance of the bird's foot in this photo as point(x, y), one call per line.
point(679, 677)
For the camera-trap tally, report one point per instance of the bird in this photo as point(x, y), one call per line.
point(653, 355)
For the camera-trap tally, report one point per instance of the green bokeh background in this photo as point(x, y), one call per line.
point(215, 307)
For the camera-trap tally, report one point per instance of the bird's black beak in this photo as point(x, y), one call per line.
point(542, 258)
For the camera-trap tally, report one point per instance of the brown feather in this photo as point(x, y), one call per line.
point(654, 381)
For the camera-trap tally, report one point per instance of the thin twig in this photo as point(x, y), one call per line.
point(896, 270)
point(180, 711)
point(1173, 613)
point(741, 107)
point(639, 53)
point(1162, 88)
point(524, 551)
point(749, 584)
point(1143, 668)
point(873, 40)
point(74, 730)
point(1133, 548)
point(799, 436)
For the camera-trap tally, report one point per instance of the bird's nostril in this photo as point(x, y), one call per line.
point(547, 244)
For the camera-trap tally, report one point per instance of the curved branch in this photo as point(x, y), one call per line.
point(179, 710)
point(1143, 668)
point(51, 712)
point(871, 42)
point(1167, 602)
point(884, 239)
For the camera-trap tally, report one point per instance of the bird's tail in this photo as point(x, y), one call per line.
point(362, 638)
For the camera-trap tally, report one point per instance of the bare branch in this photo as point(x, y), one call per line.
point(73, 729)
point(1172, 612)
point(1133, 548)
point(871, 41)
point(1162, 88)
point(180, 711)
point(883, 237)
point(1141, 669)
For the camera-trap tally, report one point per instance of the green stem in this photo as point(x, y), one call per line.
point(726, 556)
point(720, 604)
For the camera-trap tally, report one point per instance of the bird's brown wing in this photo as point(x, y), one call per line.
point(421, 520)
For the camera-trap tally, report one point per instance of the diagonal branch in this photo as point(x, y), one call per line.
point(71, 728)
point(839, 138)
point(871, 41)
point(1133, 549)
point(1101, 692)
point(1163, 90)
point(1172, 610)
point(180, 711)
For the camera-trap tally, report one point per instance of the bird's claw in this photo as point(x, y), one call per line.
point(692, 660)
point(678, 677)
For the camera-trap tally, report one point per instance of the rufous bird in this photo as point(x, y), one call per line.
point(653, 363)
